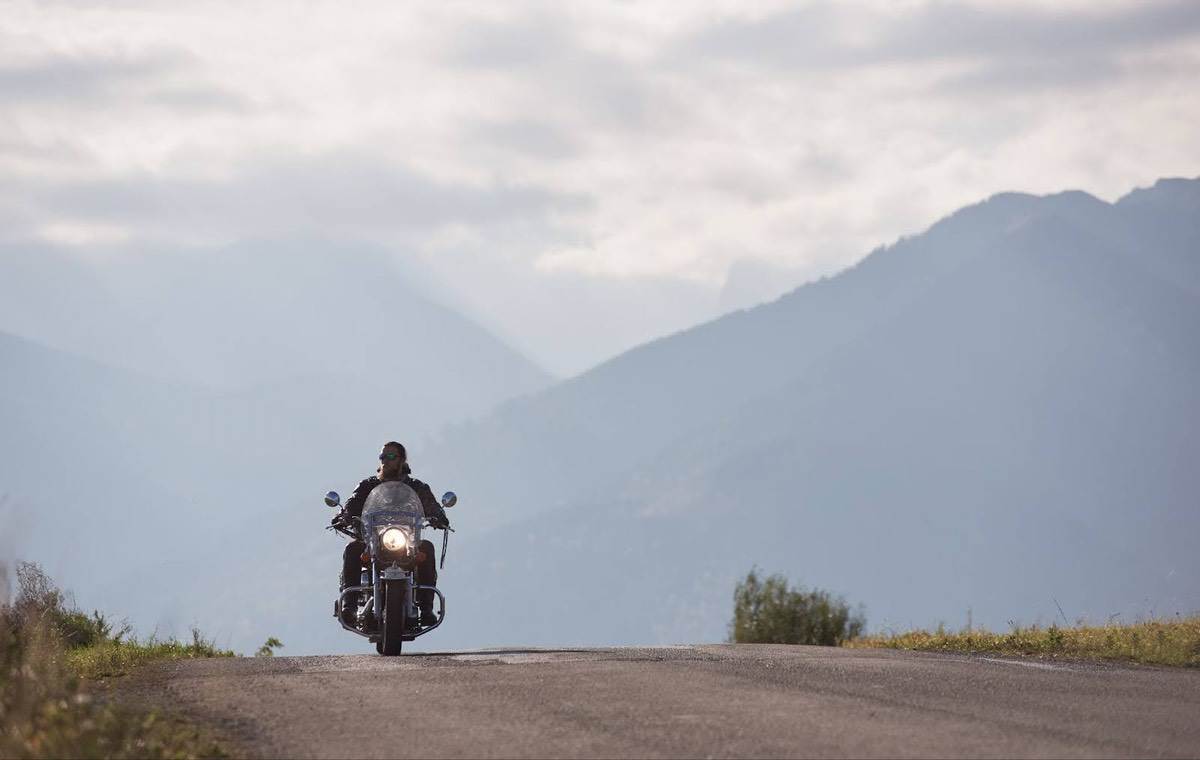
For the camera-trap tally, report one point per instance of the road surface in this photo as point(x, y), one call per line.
point(703, 701)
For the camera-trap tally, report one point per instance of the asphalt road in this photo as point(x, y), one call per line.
point(704, 701)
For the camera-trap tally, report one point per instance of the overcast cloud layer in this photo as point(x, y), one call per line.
point(578, 180)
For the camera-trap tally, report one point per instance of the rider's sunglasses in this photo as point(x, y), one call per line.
point(388, 456)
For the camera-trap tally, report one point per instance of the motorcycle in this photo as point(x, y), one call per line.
point(386, 611)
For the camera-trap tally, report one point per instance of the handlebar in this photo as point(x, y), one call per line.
point(344, 522)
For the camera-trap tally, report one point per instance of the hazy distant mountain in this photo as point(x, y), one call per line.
point(298, 321)
point(995, 414)
point(90, 457)
point(170, 404)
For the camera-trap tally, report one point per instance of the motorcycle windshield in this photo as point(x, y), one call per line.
point(392, 503)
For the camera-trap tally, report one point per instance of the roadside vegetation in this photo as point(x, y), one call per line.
point(769, 611)
point(119, 657)
point(1152, 642)
point(48, 652)
point(268, 648)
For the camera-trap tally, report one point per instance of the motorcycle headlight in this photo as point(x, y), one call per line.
point(393, 540)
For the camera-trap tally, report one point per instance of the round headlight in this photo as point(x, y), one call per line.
point(393, 539)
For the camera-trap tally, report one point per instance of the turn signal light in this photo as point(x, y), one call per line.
point(366, 557)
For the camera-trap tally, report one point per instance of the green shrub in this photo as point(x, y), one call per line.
point(40, 602)
point(268, 648)
point(45, 710)
point(767, 611)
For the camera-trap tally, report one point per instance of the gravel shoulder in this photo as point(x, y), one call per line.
point(702, 701)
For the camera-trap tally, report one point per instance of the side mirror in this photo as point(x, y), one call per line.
point(449, 500)
point(332, 499)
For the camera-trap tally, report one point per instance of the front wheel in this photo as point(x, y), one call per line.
point(394, 607)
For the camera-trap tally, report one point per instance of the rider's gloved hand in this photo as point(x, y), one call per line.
point(441, 523)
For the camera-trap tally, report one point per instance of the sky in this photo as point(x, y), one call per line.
point(578, 179)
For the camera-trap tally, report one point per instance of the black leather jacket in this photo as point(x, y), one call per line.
point(433, 508)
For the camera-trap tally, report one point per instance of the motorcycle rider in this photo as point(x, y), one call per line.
point(393, 465)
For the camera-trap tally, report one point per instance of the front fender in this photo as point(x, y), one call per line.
point(395, 573)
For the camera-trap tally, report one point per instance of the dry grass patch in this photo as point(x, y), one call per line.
point(1153, 642)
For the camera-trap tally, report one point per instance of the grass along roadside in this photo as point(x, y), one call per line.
point(120, 657)
point(1153, 642)
point(48, 653)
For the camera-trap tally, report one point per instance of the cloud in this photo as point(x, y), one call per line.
point(533, 153)
point(563, 69)
point(76, 78)
point(1025, 76)
point(160, 76)
point(532, 138)
point(528, 42)
point(342, 193)
point(197, 97)
point(944, 30)
point(1008, 44)
point(803, 37)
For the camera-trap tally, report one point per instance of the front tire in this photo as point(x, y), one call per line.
point(394, 604)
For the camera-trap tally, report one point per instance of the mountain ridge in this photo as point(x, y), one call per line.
point(1014, 431)
point(892, 275)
